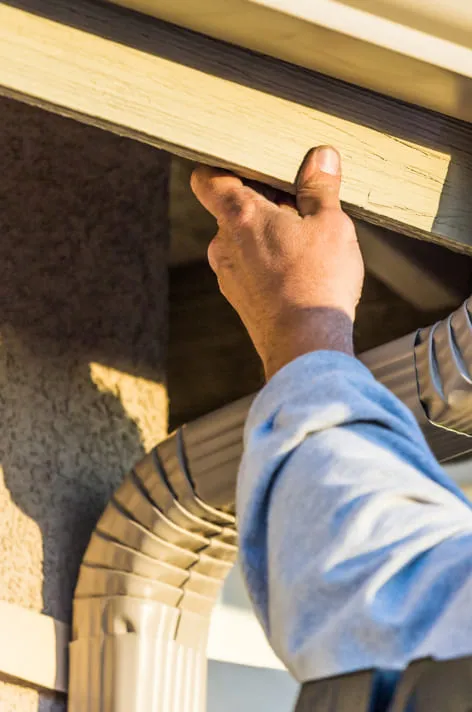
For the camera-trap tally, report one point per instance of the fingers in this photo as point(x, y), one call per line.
point(228, 199)
point(218, 191)
point(319, 181)
point(223, 194)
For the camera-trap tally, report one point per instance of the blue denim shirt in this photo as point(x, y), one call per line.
point(355, 545)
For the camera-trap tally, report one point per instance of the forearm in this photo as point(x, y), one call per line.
point(354, 543)
point(302, 331)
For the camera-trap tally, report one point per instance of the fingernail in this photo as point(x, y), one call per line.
point(327, 160)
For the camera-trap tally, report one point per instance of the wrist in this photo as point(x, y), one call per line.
point(305, 331)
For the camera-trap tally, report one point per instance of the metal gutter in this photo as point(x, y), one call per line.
point(167, 539)
point(418, 52)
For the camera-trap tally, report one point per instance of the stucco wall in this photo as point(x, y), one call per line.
point(83, 300)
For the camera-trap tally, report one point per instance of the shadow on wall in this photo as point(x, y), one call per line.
point(83, 310)
point(212, 361)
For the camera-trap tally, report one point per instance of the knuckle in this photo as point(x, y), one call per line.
point(241, 211)
point(246, 216)
point(319, 186)
point(219, 255)
point(213, 254)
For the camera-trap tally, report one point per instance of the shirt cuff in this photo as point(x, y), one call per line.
point(297, 378)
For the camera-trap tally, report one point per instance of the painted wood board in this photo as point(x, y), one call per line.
point(404, 167)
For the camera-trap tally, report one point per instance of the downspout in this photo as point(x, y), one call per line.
point(167, 539)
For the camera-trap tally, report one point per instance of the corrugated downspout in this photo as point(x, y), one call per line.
point(167, 539)
point(146, 589)
point(431, 372)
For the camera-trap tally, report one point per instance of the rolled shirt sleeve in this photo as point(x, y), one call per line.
point(355, 545)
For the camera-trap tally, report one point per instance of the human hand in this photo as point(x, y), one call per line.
point(294, 275)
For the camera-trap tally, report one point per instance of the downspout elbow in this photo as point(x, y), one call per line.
point(152, 572)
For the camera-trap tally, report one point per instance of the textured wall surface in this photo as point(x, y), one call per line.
point(83, 301)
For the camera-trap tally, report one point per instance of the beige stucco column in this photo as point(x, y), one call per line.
point(83, 301)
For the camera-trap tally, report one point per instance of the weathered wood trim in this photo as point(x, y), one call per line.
point(33, 647)
point(416, 51)
point(404, 167)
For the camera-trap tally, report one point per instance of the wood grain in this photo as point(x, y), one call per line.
point(412, 50)
point(404, 167)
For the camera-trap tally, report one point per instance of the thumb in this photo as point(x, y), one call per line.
point(319, 180)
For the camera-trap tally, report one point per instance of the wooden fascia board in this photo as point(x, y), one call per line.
point(33, 647)
point(404, 167)
point(405, 50)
